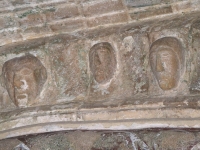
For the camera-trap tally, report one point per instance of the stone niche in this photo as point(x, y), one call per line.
point(129, 66)
point(167, 62)
point(102, 61)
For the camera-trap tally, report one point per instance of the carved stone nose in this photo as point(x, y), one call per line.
point(18, 83)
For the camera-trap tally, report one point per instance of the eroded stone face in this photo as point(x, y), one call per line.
point(24, 78)
point(165, 62)
point(102, 62)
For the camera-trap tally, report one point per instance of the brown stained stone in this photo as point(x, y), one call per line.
point(102, 62)
point(167, 60)
point(70, 70)
point(99, 7)
point(108, 19)
point(31, 18)
point(23, 78)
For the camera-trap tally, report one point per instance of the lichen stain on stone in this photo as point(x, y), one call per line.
point(36, 10)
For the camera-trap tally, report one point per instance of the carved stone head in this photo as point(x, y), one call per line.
point(23, 78)
point(102, 62)
point(167, 60)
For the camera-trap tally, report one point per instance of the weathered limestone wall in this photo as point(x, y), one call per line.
point(104, 65)
point(22, 20)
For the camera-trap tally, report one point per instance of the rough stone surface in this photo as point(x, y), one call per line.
point(108, 140)
point(107, 65)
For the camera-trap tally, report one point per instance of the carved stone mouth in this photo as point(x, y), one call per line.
point(22, 100)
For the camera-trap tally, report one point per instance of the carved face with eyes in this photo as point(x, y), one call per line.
point(25, 86)
point(166, 68)
point(23, 78)
point(102, 62)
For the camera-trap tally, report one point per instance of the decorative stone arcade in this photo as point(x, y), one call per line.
point(115, 67)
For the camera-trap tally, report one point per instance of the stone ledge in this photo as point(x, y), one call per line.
point(103, 125)
point(126, 117)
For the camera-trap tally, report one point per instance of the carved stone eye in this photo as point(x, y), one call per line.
point(102, 62)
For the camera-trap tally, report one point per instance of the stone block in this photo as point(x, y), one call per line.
point(101, 7)
point(62, 12)
point(31, 18)
point(67, 25)
point(108, 19)
point(151, 12)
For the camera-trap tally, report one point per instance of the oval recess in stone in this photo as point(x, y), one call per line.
point(102, 62)
point(167, 60)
